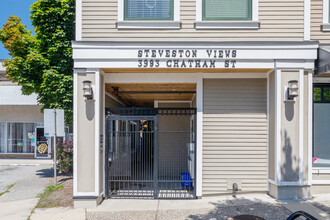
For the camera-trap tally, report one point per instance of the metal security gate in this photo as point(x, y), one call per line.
point(150, 153)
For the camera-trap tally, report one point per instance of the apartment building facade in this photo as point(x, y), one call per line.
point(185, 99)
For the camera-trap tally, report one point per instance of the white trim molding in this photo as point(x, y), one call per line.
point(301, 126)
point(307, 19)
point(148, 24)
point(75, 127)
point(170, 24)
point(253, 24)
point(326, 23)
point(78, 20)
point(227, 24)
point(278, 118)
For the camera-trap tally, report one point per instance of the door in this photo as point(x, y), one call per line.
point(131, 149)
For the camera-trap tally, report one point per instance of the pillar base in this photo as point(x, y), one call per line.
point(289, 192)
point(87, 202)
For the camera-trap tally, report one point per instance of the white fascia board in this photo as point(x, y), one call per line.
point(202, 53)
point(240, 64)
point(133, 64)
point(12, 95)
point(197, 45)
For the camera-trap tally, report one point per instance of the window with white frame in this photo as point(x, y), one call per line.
point(227, 14)
point(142, 14)
point(227, 10)
point(326, 16)
point(148, 10)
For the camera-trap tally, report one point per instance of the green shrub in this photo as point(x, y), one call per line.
point(64, 156)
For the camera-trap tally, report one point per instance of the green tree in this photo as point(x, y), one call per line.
point(42, 64)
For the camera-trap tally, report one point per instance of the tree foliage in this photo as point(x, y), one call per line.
point(42, 64)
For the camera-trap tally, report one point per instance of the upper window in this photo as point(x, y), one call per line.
point(148, 9)
point(326, 16)
point(227, 10)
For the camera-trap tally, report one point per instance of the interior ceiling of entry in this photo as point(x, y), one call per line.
point(144, 94)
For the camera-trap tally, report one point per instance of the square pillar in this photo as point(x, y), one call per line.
point(288, 136)
point(87, 170)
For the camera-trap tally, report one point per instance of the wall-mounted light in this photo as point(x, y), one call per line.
point(293, 89)
point(88, 91)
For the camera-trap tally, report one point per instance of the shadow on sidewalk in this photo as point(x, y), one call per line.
point(242, 208)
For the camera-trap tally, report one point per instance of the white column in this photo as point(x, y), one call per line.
point(278, 108)
point(97, 97)
point(199, 131)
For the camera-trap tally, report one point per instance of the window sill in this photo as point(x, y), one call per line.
point(325, 27)
point(227, 24)
point(148, 24)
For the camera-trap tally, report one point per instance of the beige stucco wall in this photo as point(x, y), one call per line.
point(289, 132)
point(21, 113)
point(85, 137)
point(279, 21)
point(102, 121)
point(305, 112)
point(271, 122)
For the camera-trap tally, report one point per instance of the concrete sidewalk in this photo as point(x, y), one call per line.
point(220, 207)
point(25, 162)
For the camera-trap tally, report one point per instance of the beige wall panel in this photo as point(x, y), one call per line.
point(99, 24)
point(305, 112)
point(21, 113)
point(271, 150)
point(234, 135)
point(290, 132)
point(316, 22)
point(102, 121)
point(85, 138)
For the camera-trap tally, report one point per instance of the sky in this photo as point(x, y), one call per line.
point(20, 8)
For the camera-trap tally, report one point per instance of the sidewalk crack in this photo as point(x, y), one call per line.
point(157, 210)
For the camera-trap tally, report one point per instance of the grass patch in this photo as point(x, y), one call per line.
point(8, 188)
point(43, 198)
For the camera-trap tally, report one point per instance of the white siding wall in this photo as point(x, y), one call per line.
point(234, 134)
point(281, 20)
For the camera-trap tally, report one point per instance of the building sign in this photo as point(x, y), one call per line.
point(187, 58)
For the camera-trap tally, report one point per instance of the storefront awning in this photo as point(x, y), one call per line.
point(323, 61)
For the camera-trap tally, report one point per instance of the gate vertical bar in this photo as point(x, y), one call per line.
point(155, 156)
point(107, 148)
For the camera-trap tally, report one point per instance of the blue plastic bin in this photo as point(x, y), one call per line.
point(186, 180)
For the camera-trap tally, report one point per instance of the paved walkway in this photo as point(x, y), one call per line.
point(30, 178)
point(221, 207)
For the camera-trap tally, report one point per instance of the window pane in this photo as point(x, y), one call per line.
point(3, 137)
point(317, 94)
point(326, 94)
point(148, 9)
point(227, 10)
point(19, 135)
point(321, 146)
